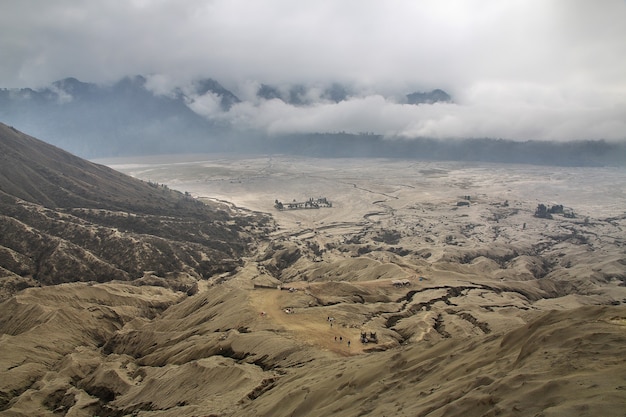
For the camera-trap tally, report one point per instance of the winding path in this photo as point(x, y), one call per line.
point(309, 325)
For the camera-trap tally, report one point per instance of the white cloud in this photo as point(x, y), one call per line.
point(548, 68)
point(541, 118)
point(208, 103)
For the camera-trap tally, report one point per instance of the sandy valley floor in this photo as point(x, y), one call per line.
point(403, 221)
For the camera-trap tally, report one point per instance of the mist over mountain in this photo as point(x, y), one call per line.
point(226, 98)
point(431, 97)
point(300, 95)
point(124, 118)
point(144, 115)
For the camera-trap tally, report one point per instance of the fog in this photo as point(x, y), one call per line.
point(547, 117)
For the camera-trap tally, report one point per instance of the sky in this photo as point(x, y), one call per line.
point(516, 69)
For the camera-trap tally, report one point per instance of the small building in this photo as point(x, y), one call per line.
point(311, 203)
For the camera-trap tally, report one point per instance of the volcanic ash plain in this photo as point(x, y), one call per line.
point(427, 289)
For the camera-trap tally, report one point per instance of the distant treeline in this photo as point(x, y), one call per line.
point(575, 153)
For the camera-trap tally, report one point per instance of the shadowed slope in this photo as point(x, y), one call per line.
point(65, 219)
point(40, 173)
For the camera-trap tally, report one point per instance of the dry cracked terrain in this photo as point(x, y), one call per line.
point(494, 311)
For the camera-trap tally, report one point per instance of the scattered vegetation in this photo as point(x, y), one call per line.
point(543, 212)
point(390, 237)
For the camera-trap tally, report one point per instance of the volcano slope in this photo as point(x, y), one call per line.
point(476, 310)
point(64, 219)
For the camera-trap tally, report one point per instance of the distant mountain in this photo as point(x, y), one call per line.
point(268, 92)
point(336, 92)
point(72, 87)
point(122, 119)
point(62, 213)
point(296, 95)
point(299, 94)
point(209, 85)
point(127, 118)
point(435, 96)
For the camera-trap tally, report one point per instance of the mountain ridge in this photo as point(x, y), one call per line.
point(130, 118)
point(59, 209)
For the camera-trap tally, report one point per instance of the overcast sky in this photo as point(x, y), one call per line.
point(516, 69)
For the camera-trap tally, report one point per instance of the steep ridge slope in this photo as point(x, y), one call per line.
point(65, 219)
point(40, 173)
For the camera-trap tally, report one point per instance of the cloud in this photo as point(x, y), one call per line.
point(205, 104)
point(519, 68)
point(551, 119)
point(402, 42)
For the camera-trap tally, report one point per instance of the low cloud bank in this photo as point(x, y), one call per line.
point(481, 112)
point(154, 115)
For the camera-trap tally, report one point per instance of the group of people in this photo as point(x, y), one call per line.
point(341, 340)
point(331, 320)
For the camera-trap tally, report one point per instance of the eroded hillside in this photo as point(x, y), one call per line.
point(64, 219)
point(397, 301)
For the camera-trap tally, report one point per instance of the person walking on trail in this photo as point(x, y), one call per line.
point(348, 343)
point(340, 339)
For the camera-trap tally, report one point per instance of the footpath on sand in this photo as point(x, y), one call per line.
point(308, 325)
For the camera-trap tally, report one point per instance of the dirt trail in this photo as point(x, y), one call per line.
point(309, 325)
